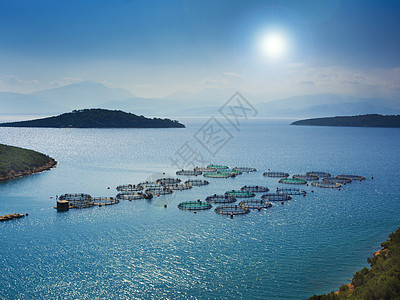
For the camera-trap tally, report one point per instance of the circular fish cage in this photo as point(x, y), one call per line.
point(352, 177)
point(255, 204)
point(149, 184)
point(245, 169)
point(276, 197)
point(339, 180)
point(194, 205)
point(319, 174)
point(217, 174)
point(240, 194)
point(189, 172)
point(220, 199)
point(196, 182)
point(178, 186)
point(306, 177)
point(204, 169)
point(276, 174)
point(234, 171)
point(129, 188)
point(288, 191)
point(255, 189)
point(232, 210)
point(78, 200)
point(131, 196)
point(105, 201)
point(218, 167)
point(325, 184)
point(164, 181)
point(293, 181)
point(158, 191)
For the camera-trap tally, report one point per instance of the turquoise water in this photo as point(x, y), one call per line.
point(140, 249)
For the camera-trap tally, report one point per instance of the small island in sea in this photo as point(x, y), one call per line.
point(97, 118)
point(17, 162)
point(371, 120)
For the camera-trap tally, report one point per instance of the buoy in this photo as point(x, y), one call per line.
point(304, 195)
point(312, 191)
point(99, 204)
point(307, 184)
point(198, 200)
point(51, 197)
point(282, 202)
point(195, 212)
point(338, 189)
point(165, 205)
point(130, 200)
point(26, 214)
point(231, 215)
point(360, 180)
point(108, 188)
point(372, 177)
point(259, 208)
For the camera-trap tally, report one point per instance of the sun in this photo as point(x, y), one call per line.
point(274, 45)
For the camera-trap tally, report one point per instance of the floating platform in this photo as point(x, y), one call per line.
point(325, 184)
point(290, 191)
point(196, 182)
point(255, 204)
point(293, 181)
point(240, 194)
point(319, 174)
point(306, 177)
point(11, 217)
point(255, 188)
point(232, 210)
point(189, 172)
point(276, 174)
point(221, 199)
point(276, 197)
point(194, 205)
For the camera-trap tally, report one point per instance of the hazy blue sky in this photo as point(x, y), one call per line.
point(156, 48)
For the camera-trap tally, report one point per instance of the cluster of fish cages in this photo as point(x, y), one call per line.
point(255, 204)
point(194, 205)
point(220, 199)
point(240, 194)
point(255, 188)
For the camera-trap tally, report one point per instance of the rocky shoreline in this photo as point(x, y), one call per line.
point(12, 174)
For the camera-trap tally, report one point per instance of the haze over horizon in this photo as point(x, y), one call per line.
point(155, 49)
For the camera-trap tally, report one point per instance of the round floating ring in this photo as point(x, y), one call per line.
point(240, 194)
point(276, 174)
point(194, 205)
point(319, 174)
point(255, 189)
point(276, 197)
point(220, 199)
point(325, 184)
point(232, 210)
point(289, 191)
point(255, 204)
point(292, 181)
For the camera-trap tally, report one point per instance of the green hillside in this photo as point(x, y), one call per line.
point(381, 281)
point(16, 162)
point(97, 118)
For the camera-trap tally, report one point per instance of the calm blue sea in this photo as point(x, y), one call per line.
point(139, 249)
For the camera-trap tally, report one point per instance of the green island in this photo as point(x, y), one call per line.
point(371, 120)
point(17, 162)
point(381, 281)
point(97, 118)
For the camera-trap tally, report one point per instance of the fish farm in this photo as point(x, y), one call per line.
point(288, 191)
point(255, 189)
point(196, 182)
point(293, 181)
point(194, 205)
point(221, 199)
point(255, 204)
point(276, 197)
point(276, 174)
point(232, 210)
point(166, 186)
point(240, 194)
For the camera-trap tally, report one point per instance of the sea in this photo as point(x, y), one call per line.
point(144, 250)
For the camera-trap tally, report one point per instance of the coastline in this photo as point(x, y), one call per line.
point(12, 174)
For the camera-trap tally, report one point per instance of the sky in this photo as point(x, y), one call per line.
point(155, 48)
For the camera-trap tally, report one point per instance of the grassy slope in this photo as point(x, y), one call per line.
point(16, 161)
point(381, 281)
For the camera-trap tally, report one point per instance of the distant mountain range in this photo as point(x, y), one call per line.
point(97, 118)
point(205, 103)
